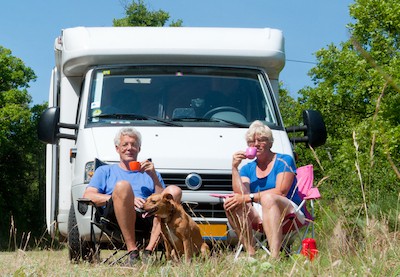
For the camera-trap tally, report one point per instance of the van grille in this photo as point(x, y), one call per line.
point(210, 182)
point(206, 210)
point(216, 182)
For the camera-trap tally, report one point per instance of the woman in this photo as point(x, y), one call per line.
point(268, 180)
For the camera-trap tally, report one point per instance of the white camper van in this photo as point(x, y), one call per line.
point(191, 92)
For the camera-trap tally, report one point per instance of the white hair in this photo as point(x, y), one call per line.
point(128, 131)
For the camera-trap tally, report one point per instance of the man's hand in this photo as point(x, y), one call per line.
point(139, 202)
point(148, 167)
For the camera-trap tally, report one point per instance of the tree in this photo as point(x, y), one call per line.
point(137, 14)
point(289, 107)
point(19, 151)
point(357, 91)
point(292, 114)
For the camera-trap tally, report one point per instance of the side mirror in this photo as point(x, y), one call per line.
point(314, 129)
point(49, 126)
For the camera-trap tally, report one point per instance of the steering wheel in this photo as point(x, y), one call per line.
point(211, 112)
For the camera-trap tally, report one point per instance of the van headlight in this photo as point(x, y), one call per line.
point(89, 171)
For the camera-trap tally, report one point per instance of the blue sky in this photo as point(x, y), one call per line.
point(28, 28)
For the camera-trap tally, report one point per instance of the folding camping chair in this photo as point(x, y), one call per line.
point(292, 227)
point(110, 230)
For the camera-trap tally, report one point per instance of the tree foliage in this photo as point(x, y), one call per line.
point(291, 109)
point(20, 165)
point(137, 14)
point(357, 91)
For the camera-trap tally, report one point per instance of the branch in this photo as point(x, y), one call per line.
point(378, 104)
point(373, 64)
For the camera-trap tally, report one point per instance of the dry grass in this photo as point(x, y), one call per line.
point(375, 251)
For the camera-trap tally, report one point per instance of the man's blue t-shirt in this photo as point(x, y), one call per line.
point(106, 176)
point(283, 163)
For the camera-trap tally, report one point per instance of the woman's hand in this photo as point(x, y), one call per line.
point(237, 158)
point(233, 202)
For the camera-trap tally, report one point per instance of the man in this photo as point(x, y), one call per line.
point(123, 192)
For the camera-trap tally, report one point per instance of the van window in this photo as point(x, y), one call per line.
point(187, 96)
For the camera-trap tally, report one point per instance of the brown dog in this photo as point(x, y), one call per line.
point(180, 233)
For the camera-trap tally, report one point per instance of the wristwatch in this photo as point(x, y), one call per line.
point(251, 198)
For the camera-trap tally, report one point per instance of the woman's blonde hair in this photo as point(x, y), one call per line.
point(259, 128)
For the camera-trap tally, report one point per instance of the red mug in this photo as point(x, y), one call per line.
point(309, 248)
point(134, 166)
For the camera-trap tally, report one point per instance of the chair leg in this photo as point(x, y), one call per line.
point(258, 242)
point(312, 214)
point(261, 244)
point(96, 254)
point(238, 251)
point(118, 260)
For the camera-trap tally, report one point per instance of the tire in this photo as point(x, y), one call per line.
point(77, 248)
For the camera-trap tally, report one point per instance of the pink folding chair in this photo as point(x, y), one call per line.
point(292, 225)
point(308, 193)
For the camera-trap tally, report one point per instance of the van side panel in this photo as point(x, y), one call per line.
point(70, 88)
point(52, 164)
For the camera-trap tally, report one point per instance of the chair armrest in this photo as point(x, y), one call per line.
point(313, 193)
point(86, 201)
point(83, 205)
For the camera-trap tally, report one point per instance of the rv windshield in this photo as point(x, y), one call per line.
point(180, 96)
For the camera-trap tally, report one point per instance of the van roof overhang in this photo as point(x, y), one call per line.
point(84, 47)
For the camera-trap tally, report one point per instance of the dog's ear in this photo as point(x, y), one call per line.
point(168, 196)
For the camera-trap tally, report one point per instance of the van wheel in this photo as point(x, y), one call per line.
point(78, 248)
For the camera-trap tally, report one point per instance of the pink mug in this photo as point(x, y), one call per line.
point(251, 152)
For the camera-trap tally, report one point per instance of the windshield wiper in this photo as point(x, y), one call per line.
point(191, 119)
point(214, 119)
point(136, 117)
point(234, 123)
